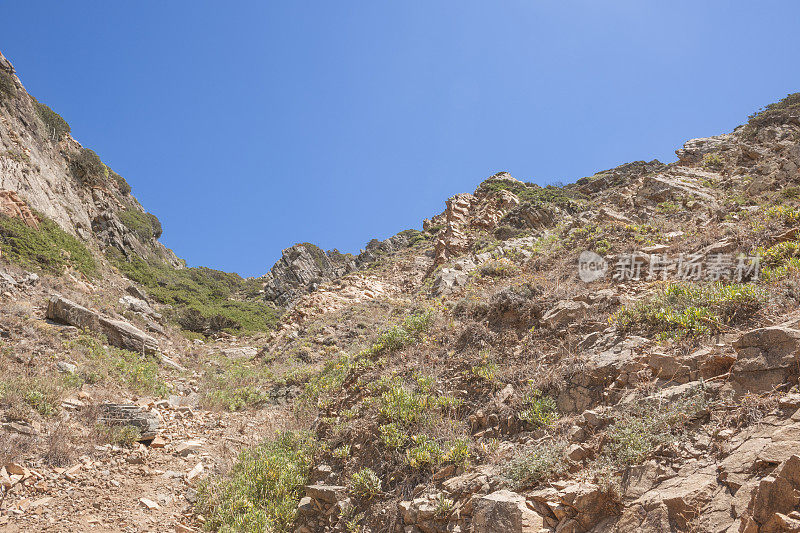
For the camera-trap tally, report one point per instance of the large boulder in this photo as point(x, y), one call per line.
point(119, 333)
point(765, 358)
point(505, 512)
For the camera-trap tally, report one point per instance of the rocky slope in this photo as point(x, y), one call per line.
point(604, 356)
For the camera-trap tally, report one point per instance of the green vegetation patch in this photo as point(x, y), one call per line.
point(203, 300)
point(237, 385)
point(107, 364)
point(531, 193)
point(691, 309)
point(536, 464)
point(8, 88)
point(54, 124)
point(87, 167)
point(645, 425)
point(146, 226)
point(48, 248)
point(263, 489)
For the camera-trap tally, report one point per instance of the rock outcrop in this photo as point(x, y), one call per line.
point(118, 333)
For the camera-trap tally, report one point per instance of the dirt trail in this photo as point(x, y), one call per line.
point(104, 490)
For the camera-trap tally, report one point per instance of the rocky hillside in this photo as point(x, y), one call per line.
point(618, 354)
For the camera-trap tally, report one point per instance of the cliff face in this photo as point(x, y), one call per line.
point(57, 177)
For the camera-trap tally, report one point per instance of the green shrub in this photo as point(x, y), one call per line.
point(263, 489)
point(55, 126)
point(535, 464)
point(37, 393)
point(341, 452)
point(400, 405)
point(48, 248)
point(644, 426)
point(8, 88)
point(404, 334)
point(203, 300)
point(145, 225)
point(425, 452)
point(498, 268)
point(122, 184)
point(691, 309)
point(392, 436)
point(365, 484)
point(538, 410)
point(87, 167)
point(713, 162)
point(530, 193)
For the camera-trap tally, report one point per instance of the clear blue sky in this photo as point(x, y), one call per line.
point(249, 125)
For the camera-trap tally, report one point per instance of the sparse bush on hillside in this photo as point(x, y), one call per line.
point(691, 309)
point(365, 483)
point(122, 184)
point(39, 394)
point(54, 124)
point(530, 193)
point(236, 385)
point(536, 464)
point(539, 410)
point(107, 364)
point(48, 248)
point(87, 167)
point(263, 489)
point(644, 426)
point(8, 89)
point(775, 113)
point(145, 225)
point(713, 162)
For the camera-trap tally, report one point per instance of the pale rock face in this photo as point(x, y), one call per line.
point(35, 172)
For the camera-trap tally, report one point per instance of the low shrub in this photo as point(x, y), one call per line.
point(236, 385)
point(122, 185)
point(8, 88)
point(48, 248)
point(538, 410)
point(644, 426)
point(774, 113)
point(713, 162)
point(87, 167)
point(365, 484)
point(144, 225)
point(263, 489)
point(120, 435)
point(54, 124)
point(535, 464)
point(691, 309)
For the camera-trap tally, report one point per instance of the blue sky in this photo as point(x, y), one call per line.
point(249, 125)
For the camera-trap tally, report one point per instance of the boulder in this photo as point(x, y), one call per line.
point(505, 512)
point(776, 496)
point(564, 313)
point(765, 358)
point(119, 333)
point(117, 414)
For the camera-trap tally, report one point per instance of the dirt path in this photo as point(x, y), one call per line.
point(105, 490)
